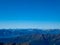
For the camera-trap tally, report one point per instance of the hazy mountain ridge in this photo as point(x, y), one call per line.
point(32, 36)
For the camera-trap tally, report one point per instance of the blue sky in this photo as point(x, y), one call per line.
point(25, 13)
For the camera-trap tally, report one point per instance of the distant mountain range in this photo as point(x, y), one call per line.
point(32, 36)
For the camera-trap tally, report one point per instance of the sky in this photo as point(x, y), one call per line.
point(43, 14)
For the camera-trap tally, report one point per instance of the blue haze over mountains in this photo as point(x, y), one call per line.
point(43, 16)
point(32, 36)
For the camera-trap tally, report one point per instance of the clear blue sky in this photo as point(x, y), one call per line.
point(19, 13)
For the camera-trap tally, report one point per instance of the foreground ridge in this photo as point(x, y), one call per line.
point(30, 36)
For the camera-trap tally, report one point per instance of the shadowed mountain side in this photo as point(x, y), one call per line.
point(31, 36)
